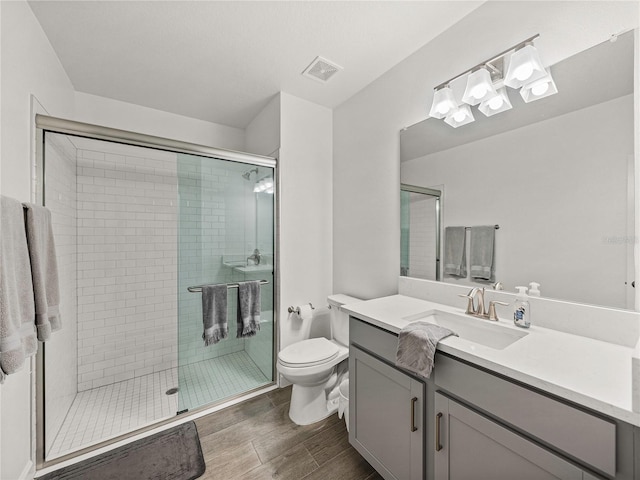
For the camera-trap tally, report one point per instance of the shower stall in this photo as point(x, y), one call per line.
point(420, 213)
point(140, 223)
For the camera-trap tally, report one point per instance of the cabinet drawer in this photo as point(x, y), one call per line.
point(374, 339)
point(585, 437)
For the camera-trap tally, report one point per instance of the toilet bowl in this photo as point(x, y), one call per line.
point(310, 365)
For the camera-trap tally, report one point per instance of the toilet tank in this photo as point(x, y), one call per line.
point(340, 318)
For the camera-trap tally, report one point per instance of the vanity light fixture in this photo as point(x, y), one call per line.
point(443, 102)
point(524, 67)
point(264, 185)
point(538, 89)
point(460, 116)
point(479, 87)
point(497, 104)
point(486, 84)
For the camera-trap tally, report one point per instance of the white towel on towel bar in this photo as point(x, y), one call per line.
point(17, 311)
point(44, 270)
point(481, 255)
point(248, 309)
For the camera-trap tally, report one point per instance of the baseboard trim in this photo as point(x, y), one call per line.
point(28, 471)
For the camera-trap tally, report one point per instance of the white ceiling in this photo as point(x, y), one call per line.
point(222, 61)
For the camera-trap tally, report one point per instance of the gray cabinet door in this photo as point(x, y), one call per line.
point(469, 445)
point(386, 417)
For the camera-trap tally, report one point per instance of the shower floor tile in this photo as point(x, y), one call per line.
point(106, 412)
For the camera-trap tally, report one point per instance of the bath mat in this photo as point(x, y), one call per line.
point(174, 454)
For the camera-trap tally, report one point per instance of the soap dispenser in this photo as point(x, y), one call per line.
point(521, 309)
point(534, 289)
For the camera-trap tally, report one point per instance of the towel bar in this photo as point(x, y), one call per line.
point(198, 288)
point(497, 227)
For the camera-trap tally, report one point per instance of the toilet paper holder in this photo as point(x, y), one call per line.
point(297, 309)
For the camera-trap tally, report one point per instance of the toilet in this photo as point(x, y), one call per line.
point(310, 365)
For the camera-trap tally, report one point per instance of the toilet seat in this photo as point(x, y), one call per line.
point(308, 353)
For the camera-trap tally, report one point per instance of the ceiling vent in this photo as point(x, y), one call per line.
point(321, 70)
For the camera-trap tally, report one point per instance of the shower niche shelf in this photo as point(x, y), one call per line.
point(240, 265)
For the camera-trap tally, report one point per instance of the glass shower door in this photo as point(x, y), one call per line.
point(225, 236)
point(420, 232)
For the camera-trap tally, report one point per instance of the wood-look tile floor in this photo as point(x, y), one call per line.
point(257, 440)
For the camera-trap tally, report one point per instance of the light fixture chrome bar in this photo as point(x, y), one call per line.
point(490, 60)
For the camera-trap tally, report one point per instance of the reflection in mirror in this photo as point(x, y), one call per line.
point(555, 174)
point(420, 232)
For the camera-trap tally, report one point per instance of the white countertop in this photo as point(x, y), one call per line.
point(589, 372)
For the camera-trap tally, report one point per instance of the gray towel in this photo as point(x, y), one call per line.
point(455, 252)
point(214, 313)
point(44, 270)
point(17, 311)
point(482, 240)
point(248, 309)
point(417, 346)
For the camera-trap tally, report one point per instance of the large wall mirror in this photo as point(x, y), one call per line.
point(556, 175)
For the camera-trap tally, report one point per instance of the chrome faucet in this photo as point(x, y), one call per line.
point(471, 307)
point(479, 311)
point(255, 257)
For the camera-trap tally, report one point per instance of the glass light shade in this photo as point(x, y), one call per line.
point(524, 66)
point(498, 103)
point(443, 103)
point(543, 87)
point(479, 87)
point(460, 116)
point(264, 185)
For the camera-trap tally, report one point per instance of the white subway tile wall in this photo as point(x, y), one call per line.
point(422, 238)
point(61, 383)
point(127, 263)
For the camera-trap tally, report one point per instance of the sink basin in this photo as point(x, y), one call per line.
point(475, 330)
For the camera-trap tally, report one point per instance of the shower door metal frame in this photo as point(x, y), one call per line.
point(47, 124)
point(437, 194)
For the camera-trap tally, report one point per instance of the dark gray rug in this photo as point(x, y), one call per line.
point(174, 454)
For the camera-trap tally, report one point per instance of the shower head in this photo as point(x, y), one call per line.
point(248, 173)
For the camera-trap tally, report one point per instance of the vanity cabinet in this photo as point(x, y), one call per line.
point(387, 406)
point(386, 425)
point(469, 445)
point(471, 422)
